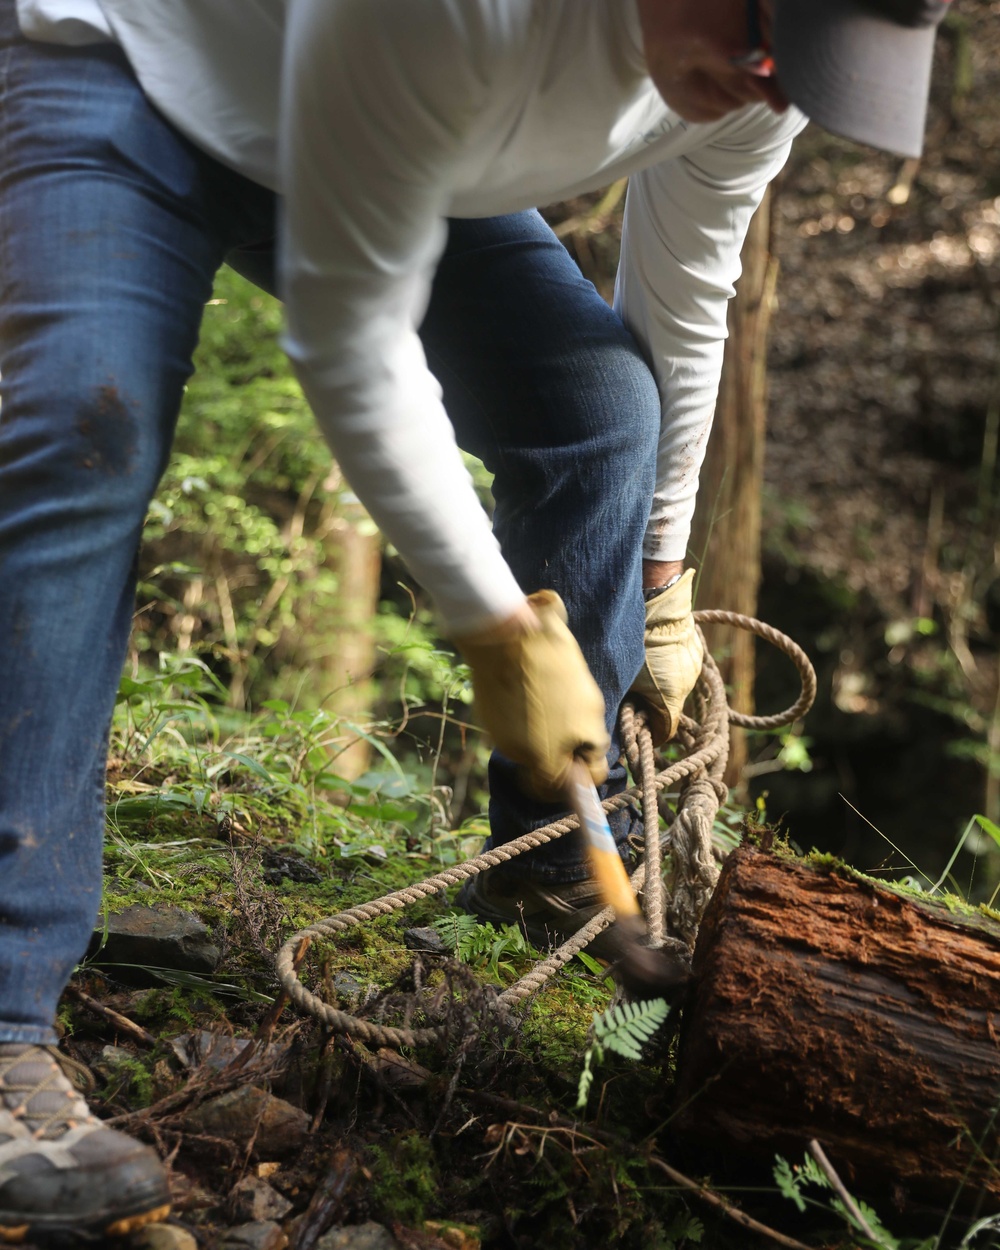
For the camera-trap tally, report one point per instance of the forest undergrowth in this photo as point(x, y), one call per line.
point(490, 1140)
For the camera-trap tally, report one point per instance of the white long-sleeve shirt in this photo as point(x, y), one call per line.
point(377, 119)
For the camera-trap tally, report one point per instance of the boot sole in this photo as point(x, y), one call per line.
point(56, 1230)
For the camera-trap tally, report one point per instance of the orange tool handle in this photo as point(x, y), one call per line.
point(605, 862)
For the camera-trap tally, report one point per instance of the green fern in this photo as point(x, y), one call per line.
point(793, 1178)
point(623, 1029)
point(481, 944)
point(627, 1027)
point(455, 930)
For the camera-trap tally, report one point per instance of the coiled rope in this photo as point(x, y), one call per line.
point(672, 918)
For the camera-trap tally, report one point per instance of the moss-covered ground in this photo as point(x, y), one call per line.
point(479, 1142)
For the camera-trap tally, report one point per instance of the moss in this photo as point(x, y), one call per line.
point(559, 1020)
point(405, 1179)
point(128, 1077)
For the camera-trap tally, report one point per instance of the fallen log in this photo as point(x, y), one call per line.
point(826, 1006)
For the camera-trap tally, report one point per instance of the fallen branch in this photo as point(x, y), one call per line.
point(726, 1207)
point(598, 217)
point(122, 1023)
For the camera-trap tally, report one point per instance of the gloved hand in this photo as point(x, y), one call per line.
point(674, 653)
point(537, 698)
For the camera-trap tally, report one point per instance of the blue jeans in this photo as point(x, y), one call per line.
point(112, 227)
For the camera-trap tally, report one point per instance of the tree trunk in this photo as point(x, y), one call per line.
point(726, 533)
point(338, 646)
point(826, 1006)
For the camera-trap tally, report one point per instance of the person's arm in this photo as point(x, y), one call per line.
point(371, 133)
point(381, 100)
point(685, 222)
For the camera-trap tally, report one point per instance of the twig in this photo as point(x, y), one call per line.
point(826, 1167)
point(727, 1208)
point(900, 193)
point(135, 1031)
point(597, 218)
point(199, 1086)
point(326, 1200)
point(266, 1027)
point(324, 1082)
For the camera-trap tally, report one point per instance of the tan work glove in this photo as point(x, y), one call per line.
point(674, 653)
point(537, 698)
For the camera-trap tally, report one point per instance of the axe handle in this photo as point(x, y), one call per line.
point(605, 863)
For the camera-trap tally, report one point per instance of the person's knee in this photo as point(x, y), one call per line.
point(88, 451)
point(618, 457)
point(637, 405)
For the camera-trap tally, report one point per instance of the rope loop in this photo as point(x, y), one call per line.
point(672, 916)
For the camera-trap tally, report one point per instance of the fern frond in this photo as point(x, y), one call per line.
point(626, 1027)
point(455, 929)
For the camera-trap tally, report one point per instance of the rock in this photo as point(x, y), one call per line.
point(261, 1235)
point(112, 1057)
point(254, 1200)
point(428, 940)
point(162, 1237)
point(147, 938)
point(455, 1236)
point(347, 986)
point(279, 866)
point(218, 1050)
point(248, 1113)
point(368, 1236)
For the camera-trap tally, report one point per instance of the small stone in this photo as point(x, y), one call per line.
point(261, 1235)
point(279, 866)
point(428, 940)
point(248, 1113)
point(142, 939)
point(253, 1200)
point(112, 1057)
point(346, 986)
point(455, 1236)
point(218, 1050)
point(162, 1237)
point(370, 1236)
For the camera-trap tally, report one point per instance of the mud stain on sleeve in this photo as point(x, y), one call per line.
point(106, 424)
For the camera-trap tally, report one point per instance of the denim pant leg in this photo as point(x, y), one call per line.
point(546, 386)
point(108, 246)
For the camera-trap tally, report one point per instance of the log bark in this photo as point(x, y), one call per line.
point(826, 1006)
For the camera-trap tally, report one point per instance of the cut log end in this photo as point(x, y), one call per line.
point(826, 1006)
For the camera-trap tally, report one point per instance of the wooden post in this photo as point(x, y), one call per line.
point(336, 646)
point(726, 535)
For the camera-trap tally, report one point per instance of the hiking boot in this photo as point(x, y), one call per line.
point(547, 914)
point(63, 1173)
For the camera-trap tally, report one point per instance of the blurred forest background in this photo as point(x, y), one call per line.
point(880, 551)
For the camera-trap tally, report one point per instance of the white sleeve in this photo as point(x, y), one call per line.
point(371, 129)
point(685, 222)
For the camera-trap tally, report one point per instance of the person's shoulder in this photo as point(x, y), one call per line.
point(756, 128)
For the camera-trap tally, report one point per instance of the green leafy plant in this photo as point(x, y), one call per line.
point(794, 1182)
point(483, 945)
point(623, 1029)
